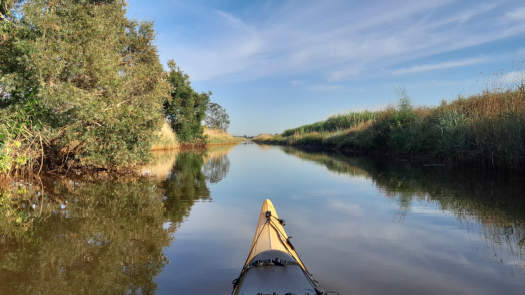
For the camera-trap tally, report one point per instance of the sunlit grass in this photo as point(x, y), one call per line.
point(488, 129)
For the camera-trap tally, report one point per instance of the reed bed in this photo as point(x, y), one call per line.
point(486, 129)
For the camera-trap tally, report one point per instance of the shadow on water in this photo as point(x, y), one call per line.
point(494, 201)
point(98, 237)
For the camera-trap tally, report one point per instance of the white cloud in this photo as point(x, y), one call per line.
point(339, 42)
point(516, 14)
point(343, 74)
point(442, 65)
point(296, 83)
point(324, 87)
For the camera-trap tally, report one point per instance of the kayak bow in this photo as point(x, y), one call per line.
point(272, 265)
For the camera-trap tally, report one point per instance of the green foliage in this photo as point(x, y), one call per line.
point(85, 81)
point(486, 129)
point(217, 117)
point(334, 123)
point(186, 108)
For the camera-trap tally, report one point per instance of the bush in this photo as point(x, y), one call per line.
point(84, 82)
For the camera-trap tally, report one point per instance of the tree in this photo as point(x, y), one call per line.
point(186, 108)
point(217, 117)
point(85, 81)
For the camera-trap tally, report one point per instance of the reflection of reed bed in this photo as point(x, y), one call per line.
point(334, 162)
point(161, 164)
point(264, 147)
point(493, 200)
point(217, 151)
point(163, 161)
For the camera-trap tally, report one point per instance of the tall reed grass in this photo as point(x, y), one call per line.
point(334, 123)
point(486, 129)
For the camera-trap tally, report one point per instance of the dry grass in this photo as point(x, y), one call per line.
point(167, 140)
point(217, 136)
point(265, 136)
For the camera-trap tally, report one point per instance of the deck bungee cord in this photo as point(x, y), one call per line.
point(273, 265)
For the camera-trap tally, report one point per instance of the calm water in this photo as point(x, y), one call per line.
point(361, 226)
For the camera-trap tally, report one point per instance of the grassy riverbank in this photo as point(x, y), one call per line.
point(167, 139)
point(486, 129)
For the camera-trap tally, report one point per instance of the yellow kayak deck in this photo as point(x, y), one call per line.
point(272, 265)
point(270, 235)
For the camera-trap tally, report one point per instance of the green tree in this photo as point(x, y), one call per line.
point(186, 109)
point(217, 117)
point(85, 81)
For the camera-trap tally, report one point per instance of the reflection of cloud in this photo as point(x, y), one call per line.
point(393, 254)
point(346, 207)
point(426, 210)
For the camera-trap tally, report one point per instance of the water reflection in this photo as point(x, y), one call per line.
point(362, 226)
point(495, 201)
point(185, 185)
point(95, 236)
point(98, 237)
point(216, 168)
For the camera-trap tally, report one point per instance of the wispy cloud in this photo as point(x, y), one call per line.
point(344, 74)
point(516, 14)
point(324, 87)
point(285, 38)
point(442, 65)
point(296, 83)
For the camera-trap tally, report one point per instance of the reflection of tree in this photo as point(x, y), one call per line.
point(101, 238)
point(216, 168)
point(185, 184)
point(495, 201)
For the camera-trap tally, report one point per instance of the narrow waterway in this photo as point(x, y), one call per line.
point(361, 226)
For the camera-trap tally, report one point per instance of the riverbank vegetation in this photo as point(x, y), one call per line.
point(486, 129)
point(82, 88)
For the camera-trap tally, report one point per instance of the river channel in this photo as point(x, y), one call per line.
point(361, 226)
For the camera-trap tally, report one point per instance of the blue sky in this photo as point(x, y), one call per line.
point(279, 64)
